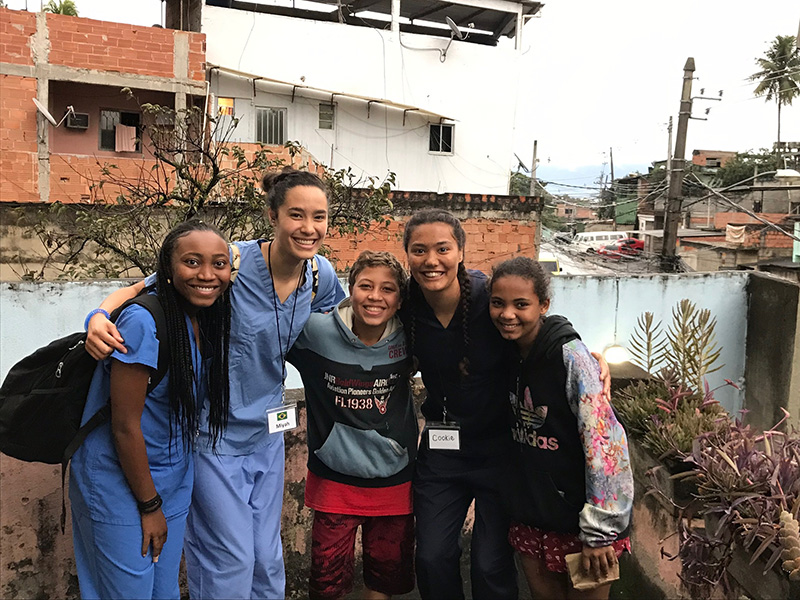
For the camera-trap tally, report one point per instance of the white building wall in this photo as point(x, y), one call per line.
point(476, 87)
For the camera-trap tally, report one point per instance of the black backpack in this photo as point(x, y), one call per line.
point(43, 396)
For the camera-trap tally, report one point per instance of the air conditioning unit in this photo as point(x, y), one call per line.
point(77, 120)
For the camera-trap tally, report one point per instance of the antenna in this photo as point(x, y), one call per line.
point(456, 31)
point(42, 109)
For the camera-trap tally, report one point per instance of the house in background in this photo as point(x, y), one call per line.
point(376, 86)
point(84, 64)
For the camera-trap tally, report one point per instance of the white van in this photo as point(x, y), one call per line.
point(590, 241)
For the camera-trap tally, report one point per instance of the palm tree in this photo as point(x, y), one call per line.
point(62, 7)
point(779, 77)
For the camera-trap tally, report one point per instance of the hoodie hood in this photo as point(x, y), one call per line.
point(554, 333)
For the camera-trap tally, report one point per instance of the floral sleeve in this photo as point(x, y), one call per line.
point(609, 481)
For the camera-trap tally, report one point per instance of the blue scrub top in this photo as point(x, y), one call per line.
point(255, 366)
point(97, 484)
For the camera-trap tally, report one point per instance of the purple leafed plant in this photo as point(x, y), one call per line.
point(745, 478)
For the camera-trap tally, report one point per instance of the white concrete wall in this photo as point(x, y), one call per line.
point(476, 86)
point(597, 304)
point(32, 314)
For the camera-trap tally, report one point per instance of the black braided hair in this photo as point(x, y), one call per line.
point(215, 330)
point(527, 268)
point(414, 293)
point(277, 183)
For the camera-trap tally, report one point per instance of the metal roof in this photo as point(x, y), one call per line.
point(490, 18)
point(306, 90)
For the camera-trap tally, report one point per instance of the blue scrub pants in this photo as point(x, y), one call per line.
point(444, 486)
point(233, 534)
point(110, 564)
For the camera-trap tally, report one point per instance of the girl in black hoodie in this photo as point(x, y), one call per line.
point(572, 490)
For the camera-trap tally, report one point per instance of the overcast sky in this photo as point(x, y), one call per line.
point(607, 74)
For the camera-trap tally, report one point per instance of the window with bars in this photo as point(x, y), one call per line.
point(441, 138)
point(271, 126)
point(327, 115)
point(109, 119)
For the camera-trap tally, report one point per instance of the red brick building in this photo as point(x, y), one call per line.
point(105, 72)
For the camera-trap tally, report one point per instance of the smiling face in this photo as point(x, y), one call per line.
point(301, 222)
point(433, 257)
point(516, 310)
point(375, 298)
point(201, 269)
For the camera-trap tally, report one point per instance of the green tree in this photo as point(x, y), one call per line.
point(779, 74)
point(520, 185)
point(188, 171)
point(746, 164)
point(62, 7)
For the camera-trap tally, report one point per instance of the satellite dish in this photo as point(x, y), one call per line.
point(456, 31)
point(45, 112)
point(48, 116)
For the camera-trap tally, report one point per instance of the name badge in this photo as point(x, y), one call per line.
point(282, 418)
point(444, 436)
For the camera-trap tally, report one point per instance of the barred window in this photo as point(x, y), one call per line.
point(327, 114)
point(271, 126)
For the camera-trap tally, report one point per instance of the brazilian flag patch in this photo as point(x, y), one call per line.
point(282, 416)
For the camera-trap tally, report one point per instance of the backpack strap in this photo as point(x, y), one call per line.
point(153, 306)
point(314, 277)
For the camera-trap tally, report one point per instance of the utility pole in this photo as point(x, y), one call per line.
point(612, 195)
point(669, 149)
point(535, 194)
point(672, 214)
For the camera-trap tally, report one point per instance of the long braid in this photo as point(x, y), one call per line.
point(466, 292)
point(214, 331)
point(215, 322)
point(182, 404)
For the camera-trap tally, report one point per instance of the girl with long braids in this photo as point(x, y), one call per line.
point(467, 441)
point(233, 546)
point(131, 480)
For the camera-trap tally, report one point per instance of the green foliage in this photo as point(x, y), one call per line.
point(688, 348)
point(636, 404)
point(646, 345)
point(62, 7)
point(520, 185)
point(193, 171)
point(778, 76)
point(744, 165)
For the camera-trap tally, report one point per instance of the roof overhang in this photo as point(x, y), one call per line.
point(307, 91)
point(490, 19)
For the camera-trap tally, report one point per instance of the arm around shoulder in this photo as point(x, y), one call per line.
point(102, 337)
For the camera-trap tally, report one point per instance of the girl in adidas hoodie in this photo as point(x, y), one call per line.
point(571, 490)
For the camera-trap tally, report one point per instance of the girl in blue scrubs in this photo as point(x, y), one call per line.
point(131, 480)
point(233, 545)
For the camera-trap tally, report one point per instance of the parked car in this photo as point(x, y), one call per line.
point(624, 247)
point(549, 262)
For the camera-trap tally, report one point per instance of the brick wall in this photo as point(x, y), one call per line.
point(117, 47)
point(488, 241)
point(18, 158)
point(16, 29)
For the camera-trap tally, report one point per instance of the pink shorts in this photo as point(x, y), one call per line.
point(551, 547)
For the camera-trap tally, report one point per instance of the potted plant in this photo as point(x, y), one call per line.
point(748, 492)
